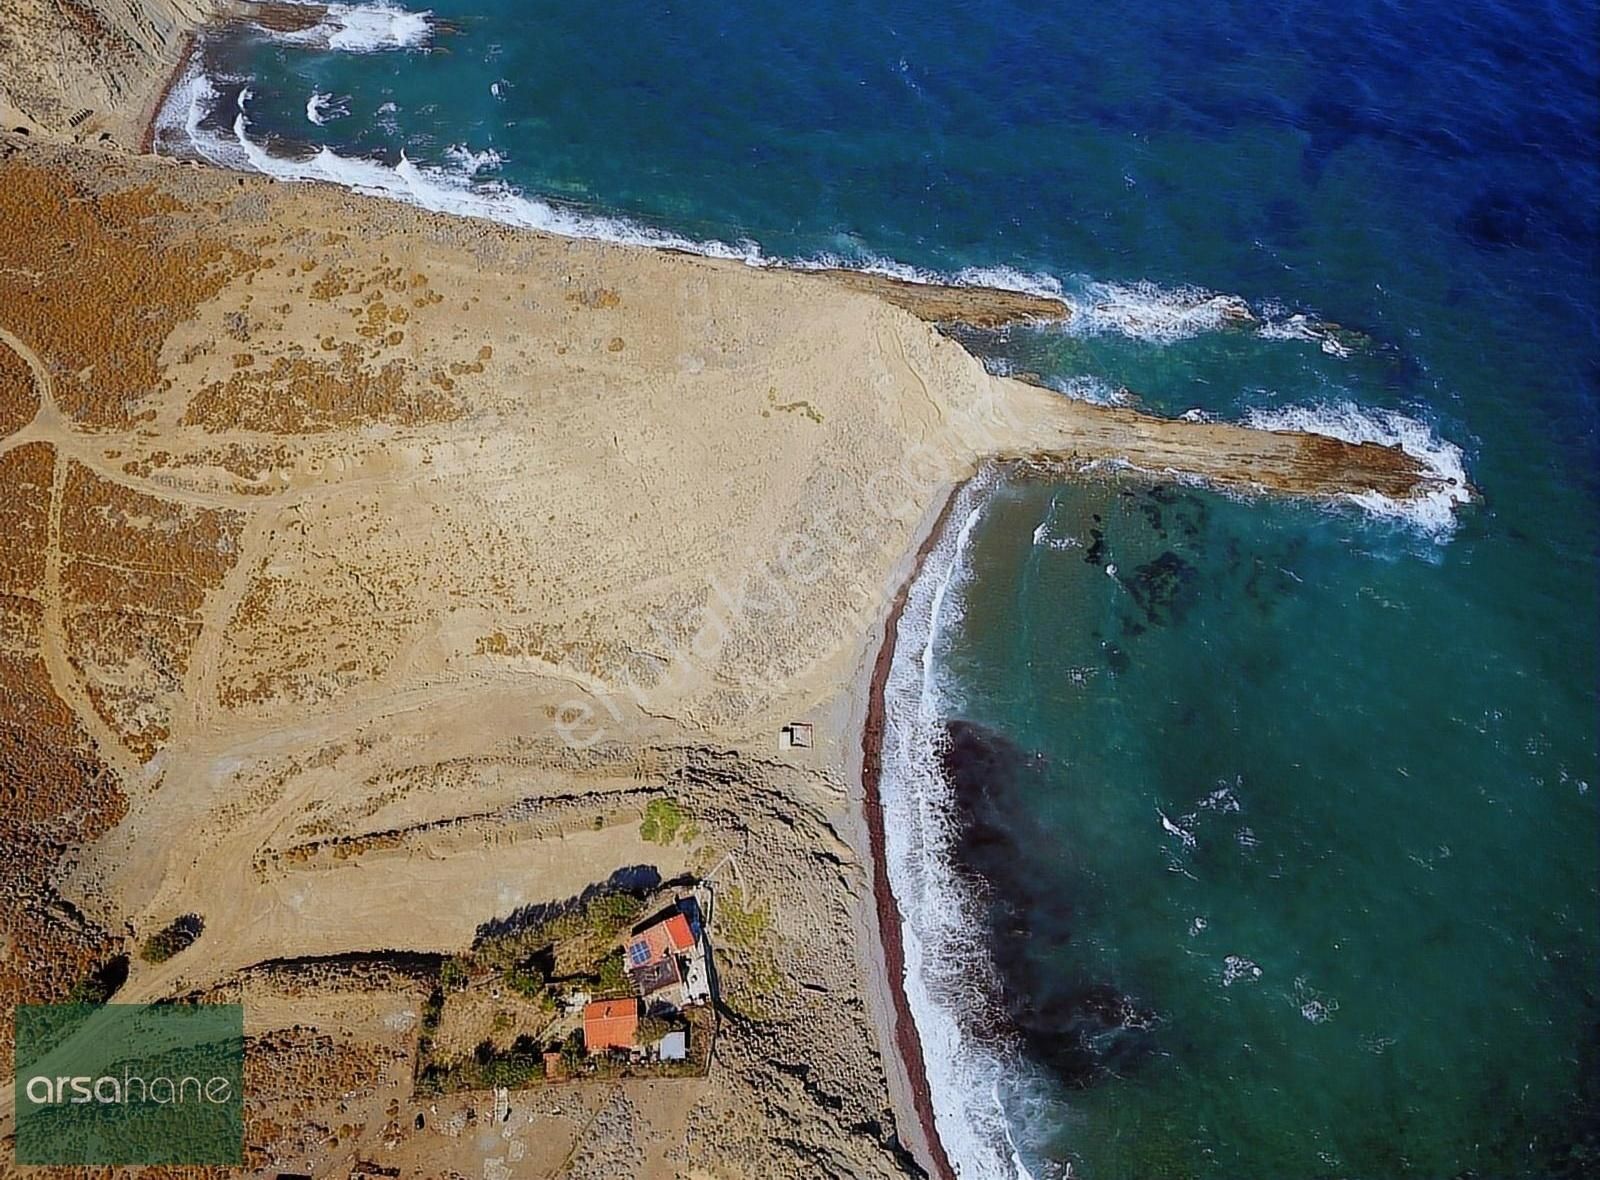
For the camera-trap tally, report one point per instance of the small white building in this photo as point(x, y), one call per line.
point(674, 1046)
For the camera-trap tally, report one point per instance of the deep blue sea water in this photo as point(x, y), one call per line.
point(1277, 823)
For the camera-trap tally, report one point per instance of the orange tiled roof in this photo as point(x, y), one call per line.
point(678, 932)
point(661, 941)
point(610, 1024)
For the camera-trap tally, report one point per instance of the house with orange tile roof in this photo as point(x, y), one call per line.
point(666, 958)
point(610, 1024)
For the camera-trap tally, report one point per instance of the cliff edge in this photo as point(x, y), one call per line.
point(89, 71)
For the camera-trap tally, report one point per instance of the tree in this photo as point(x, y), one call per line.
point(525, 982)
point(653, 1028)
point(453, 974)
point(177, 935)
point(612, 975)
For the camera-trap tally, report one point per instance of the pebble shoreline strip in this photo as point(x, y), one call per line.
point(907, 1040)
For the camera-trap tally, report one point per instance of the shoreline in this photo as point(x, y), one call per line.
point(439, 679)
point(1328, 463)
point(907, 1038)
point(932, 298)
point(152, 115)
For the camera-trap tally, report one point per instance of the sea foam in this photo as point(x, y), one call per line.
point(470, 163)
point(1086, 388)
point(1302, 327)
point(948, 976)
point(436, 188)
point(321, 107)
point(1448, 488)
point(1142, 310)
point(1156, 314)
point(364, 28)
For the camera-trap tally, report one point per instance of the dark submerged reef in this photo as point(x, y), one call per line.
point(1079, 1027)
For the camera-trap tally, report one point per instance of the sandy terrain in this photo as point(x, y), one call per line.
point(367, 572)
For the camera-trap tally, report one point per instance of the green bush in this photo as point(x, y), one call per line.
point(653, 1028)
point(525, 982)
point(512, 1071)
point(601, 918)
point(177, 935)
point(664, 821)
point(612, 974)
point(572, 1050)
point(432, 1011)
point(98, 988)
point(453, 974)
point(89, 991)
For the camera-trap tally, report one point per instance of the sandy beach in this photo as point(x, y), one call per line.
point(369, 571)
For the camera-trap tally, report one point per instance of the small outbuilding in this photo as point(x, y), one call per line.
point(674, 1046)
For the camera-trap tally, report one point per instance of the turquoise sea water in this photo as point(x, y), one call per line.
point(1310, 800)
point(1281, 845)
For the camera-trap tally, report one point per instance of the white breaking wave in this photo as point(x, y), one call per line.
point(1237, 968)
point(439, 189)
point(1004, 278)
point(1043, 539)
point(1156, 314)
point(446, 190)
point(1143, 311)
point(364, 28)
point(947, 971)
point(1093, 390)
point(1302, 327)
point(189, 100)
point(470, 162)
point(1434, 510)
point(322, 107)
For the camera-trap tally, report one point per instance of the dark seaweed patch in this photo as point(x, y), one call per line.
point(1165, 589)
point(1095, 554)
point(1081, 1028)
point(1497, 219)
point(1153, 517)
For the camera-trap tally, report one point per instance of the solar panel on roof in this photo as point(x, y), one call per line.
point(639, 953)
